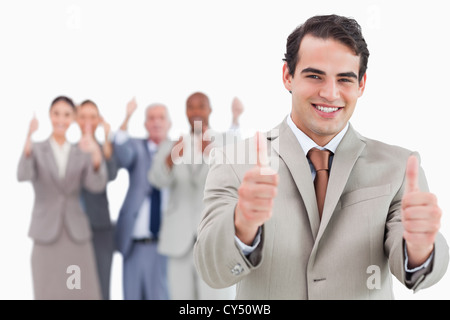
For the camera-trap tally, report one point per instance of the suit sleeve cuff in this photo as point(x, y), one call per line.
point(247, 250)
point(121, 137)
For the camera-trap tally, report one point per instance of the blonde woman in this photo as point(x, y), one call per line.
point(96, 205)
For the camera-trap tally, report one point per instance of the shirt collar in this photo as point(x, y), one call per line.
point(152, 146)
point(55, 145)
point(307, 143)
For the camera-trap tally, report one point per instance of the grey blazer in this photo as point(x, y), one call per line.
point(350, 254)
point(57, 201)
point(181, 217)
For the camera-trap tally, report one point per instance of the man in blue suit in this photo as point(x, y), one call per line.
point(144, 269)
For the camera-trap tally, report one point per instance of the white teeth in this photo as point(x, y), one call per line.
point(326, 109)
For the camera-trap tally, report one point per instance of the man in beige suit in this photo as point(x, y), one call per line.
point(261, 228)
point(181, 167)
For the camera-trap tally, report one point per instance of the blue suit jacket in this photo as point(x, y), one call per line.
point(133, 155)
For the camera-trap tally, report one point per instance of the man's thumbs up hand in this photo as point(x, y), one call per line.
point(421, 217)
point(256, 194)
point(412, 175)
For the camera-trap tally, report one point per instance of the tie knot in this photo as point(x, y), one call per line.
point(319, 158)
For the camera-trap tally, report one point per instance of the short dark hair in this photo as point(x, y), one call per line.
point(198, 94)
point(64, 99)
point(342, 29)
point(88, 101)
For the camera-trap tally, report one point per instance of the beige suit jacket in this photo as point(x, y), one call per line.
point(57, 201)
point(185, 183)
point(350, 254)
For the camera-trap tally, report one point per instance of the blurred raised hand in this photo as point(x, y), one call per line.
point(89, 145)
point(106, 127)
point(131, 108)
point(237, 108)
point(34, 125)
point(107, 145)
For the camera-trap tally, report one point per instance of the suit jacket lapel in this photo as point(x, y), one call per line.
point(344, 159)
point(286, 145)
point(145, 143)
point(73, 162)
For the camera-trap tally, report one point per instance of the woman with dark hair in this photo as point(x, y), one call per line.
point(62, 260)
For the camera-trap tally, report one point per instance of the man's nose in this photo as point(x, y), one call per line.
point(330, 90)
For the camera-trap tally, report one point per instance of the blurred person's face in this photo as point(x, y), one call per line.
point(198, 109)
point(157, 123)
point(88, 116)
point(325, 87)
point(61, 117)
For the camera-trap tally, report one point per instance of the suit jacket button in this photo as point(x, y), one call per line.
point(237, 269)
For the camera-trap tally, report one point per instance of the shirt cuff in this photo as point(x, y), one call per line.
point(234, 127)
point(246, 250)
point(235, 130)
point(121, 137)
point(424, 265)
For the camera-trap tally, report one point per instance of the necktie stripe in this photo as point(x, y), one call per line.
point(155, 211)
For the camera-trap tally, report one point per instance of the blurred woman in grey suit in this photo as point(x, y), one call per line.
point(96, 205)
point(62, 259)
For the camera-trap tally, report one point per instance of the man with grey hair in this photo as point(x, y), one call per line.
point(137, 228)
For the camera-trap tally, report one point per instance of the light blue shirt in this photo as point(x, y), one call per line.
point(141, 226)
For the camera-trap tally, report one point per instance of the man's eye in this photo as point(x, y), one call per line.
point(345, 80)
point(313, 76)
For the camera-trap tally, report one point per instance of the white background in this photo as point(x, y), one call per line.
point(162, 51)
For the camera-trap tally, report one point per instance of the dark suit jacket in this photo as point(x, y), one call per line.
point(133, 155)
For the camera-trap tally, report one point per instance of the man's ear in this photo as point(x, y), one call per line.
point(287, 78)
point(362, 85)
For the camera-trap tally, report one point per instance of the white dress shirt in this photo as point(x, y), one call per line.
point(307, 143)
point(142, 223)
point(61, 154)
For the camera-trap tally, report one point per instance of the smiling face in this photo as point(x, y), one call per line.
point(61, 117)
point(88, 117)
point(198, 109)
point(157, 123)
point(325, 87)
